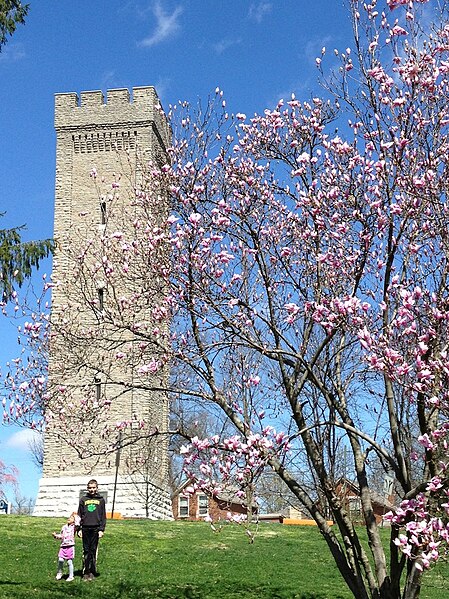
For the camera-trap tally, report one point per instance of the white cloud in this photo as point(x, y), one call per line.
point(22, 439)
point(257, 11)
point(167, 25)
point(12, 52)
point(224, 44)
point(108, 80)
point(162, 86)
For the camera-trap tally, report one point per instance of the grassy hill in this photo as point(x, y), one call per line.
point(173, 560)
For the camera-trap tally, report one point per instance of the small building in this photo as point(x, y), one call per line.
point(199, 505)
point(349, 495)
point(289, 512)
point(271, 517)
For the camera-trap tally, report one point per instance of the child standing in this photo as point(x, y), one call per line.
point(92, 514)
point(67, 548)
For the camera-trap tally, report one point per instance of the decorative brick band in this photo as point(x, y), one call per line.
point(104, 141)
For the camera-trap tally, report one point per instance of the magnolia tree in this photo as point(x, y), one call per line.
point(299, 288)
point(8, 478)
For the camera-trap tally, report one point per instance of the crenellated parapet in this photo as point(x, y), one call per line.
point(91, 111)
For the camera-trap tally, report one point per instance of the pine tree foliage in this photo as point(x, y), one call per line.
point(12, 13)
point(18, 258)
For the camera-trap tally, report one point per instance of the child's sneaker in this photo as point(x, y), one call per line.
point(59, 576)
point(70, 578)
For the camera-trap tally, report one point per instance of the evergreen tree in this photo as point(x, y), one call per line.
point(12, 13)
point(18, 258)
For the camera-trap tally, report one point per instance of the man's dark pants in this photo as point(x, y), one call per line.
point(90, 546)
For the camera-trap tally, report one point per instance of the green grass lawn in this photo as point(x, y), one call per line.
point(170, 560)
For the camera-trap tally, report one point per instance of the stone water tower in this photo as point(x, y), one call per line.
point(115, 137)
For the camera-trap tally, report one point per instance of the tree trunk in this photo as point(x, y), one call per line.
point(412, 588)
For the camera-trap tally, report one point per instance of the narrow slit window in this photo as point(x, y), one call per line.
point(101, 299)
point(103, 212)
point(97, 381)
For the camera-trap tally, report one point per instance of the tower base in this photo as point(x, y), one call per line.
point(134, 497)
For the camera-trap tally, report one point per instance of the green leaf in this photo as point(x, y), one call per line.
point(12, 13)
point(18, 258)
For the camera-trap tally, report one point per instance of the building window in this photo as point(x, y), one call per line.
point(203, 505)
point(355, 507)
point(183, 506)
point(97, 382)
point(100, 299)
point(103, 213)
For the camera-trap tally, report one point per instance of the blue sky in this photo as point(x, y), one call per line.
point(256, 51)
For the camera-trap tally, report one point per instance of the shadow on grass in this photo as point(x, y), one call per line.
point(217, 590)
point(123, 589)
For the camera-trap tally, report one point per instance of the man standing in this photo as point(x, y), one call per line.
point(92, 513)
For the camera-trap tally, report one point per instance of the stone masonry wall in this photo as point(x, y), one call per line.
point(112, 135)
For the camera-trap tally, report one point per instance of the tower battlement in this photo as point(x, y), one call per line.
point(92, 110)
